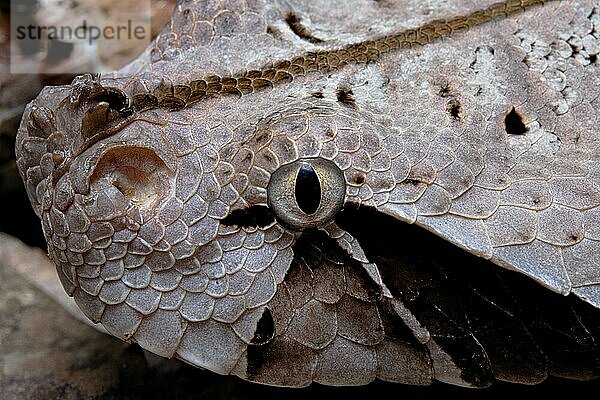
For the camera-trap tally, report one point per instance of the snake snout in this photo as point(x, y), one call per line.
point(103, 235)
point(61, 123)
point(41, 146)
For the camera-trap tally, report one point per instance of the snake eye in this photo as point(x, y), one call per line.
point(306, 193)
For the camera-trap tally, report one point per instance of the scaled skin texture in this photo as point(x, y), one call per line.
point(481, 128)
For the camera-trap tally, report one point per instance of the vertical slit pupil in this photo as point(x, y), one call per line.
point(308, 189)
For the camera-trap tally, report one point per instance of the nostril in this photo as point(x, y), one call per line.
point(138, 173)
point(115, 98)
point(106, 107)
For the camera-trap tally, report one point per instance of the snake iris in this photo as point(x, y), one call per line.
point(351, 209)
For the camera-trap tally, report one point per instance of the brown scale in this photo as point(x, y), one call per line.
point(179, 96)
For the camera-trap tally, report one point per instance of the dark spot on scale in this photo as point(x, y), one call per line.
point(300, 30)
point(274, 32)
point(359, 179)
point(308, 189)
point(593, 58)
point(268, 158)
point(409, 181)
point(513, 123)
point(445, 90)
point(454, 108)
point(261, 138)
point(256, 216)
point(317, 95)
point(346, 97)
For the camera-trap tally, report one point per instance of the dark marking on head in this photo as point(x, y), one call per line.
point(265, 329)
point(513, 123)
point(317, 95)
point(454, 108)
point(258, 351)
point(346, 97)
point(300, 30)
point(143, 101)
point(256, 216)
